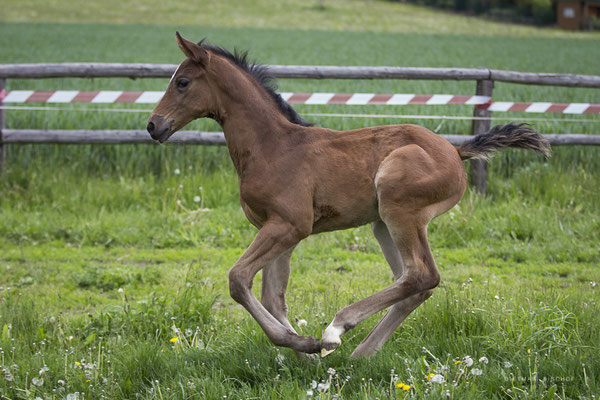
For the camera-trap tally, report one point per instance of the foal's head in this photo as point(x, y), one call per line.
point(197, 88)
point(190, 94)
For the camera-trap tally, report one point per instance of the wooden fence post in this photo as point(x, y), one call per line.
point(2, 126)
point(478, 170)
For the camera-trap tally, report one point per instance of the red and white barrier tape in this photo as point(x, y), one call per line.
point(151, 97)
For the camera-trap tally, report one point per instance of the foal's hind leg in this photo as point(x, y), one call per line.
point(420, 275)
point(399, 311)
point(412, 189)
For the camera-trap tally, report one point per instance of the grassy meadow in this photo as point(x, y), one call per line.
point(114, 259)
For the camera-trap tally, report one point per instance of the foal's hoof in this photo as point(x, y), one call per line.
point(331, 339)
point(325, 352)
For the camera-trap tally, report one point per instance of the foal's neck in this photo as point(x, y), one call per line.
point(252, 123)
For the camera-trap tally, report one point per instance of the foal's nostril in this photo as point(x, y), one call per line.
point(150, 128)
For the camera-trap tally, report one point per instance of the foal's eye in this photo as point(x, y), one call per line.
point(182, 83)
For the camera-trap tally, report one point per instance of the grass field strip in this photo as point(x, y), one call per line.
point(332, 115)
point(152, 97)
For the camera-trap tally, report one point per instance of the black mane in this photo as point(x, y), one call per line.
point(262, 76)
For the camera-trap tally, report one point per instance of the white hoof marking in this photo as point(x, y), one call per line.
point(331, 339)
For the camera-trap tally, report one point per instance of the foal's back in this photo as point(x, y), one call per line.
point(344, 167)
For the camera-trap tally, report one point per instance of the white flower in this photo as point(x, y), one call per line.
point(177, 171)
point(476, 371)
point(323, 387)
point(44, 369)
point(61, 382)
point(438, 379)
point(468, 361)
point(121, 291)
point(8, 375)
point(593, 284)
point(302, 323)
point(197, 199)
point(331, 371)
point(37, 381)
point(497, 297)
point(484, 360)
point(313, 384)
point(191, 384)
point(507, 364)
point(73, 396)
point(309, 393)
point(279, 358)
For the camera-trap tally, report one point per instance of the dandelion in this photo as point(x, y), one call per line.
point(457, 362)
point(174, 340)
point(484, 360)
point(468, 361)
point(188, 332)
point(44, 369)
point(323, 387)
point(438, 379)
point(313, 384)
point(476, 371)
point(309, 393)
point(121, 291)
point(593, 284)
point(8, 375)
point(507, 364)
point(331, 371)
point(497, 297)
point(177, 171)
point(430, 376)
point(37, 381)
point(302, 323)
point(403, 386)
point(197, 199)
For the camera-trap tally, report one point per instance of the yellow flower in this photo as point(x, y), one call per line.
point(174, 340)
point(78, 363)
point(430, 376)
point(403, 386)
point(87, 380)
point(457, 362)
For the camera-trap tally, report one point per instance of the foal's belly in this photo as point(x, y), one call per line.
point(346, 208)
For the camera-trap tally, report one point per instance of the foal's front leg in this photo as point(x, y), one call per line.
point(273, 240)
point(275, 278)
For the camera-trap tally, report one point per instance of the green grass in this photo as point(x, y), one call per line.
point(77, 223)
point(339, 15)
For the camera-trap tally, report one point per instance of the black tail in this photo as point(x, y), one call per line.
point(511, 135)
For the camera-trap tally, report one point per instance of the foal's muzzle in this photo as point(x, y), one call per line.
point(159, 128)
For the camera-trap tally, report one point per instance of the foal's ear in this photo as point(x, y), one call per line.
point(192, 50)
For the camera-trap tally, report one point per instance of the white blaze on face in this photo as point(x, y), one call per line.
point(175, 73)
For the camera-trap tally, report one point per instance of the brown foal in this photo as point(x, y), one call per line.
point(296, 180)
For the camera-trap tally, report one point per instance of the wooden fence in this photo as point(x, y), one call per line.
point(484, 78)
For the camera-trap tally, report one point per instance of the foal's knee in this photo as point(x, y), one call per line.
point(423, 282)
point(239, 285)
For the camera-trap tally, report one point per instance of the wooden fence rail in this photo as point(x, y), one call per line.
point(113, 70)
point(484, 78)
point(58, 136)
